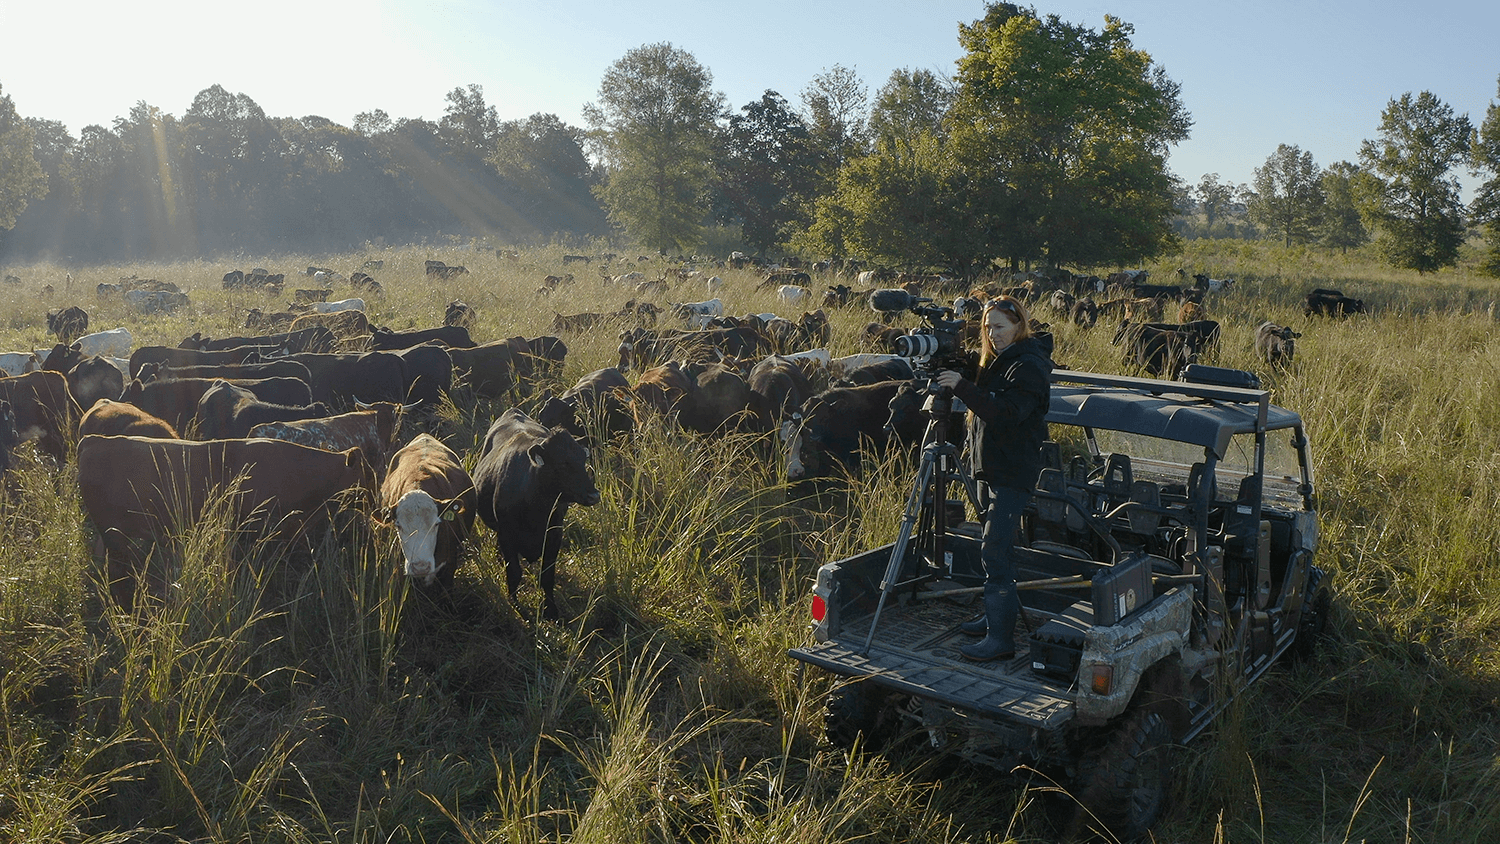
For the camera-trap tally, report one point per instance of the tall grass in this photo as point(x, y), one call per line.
point(306, 693)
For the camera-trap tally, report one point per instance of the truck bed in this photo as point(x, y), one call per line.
point(915, 651)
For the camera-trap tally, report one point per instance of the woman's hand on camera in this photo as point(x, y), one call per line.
point(947, 378)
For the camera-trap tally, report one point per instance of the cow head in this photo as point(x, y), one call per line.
point(566, 463)
point(417, 518)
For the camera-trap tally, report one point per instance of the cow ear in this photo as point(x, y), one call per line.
point(535, 455)
point(383, 516)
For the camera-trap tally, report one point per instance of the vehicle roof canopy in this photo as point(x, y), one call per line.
point(1207, 416)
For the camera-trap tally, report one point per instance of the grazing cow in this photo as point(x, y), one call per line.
point(1085, 313)
point(340, 305)
point(596, 398)
point(641, 347)
point(584, 259)
point(376, 265)
point(19, 363)
point(228, 411)
point(1163, 348)
point(526, 477)
point(429, 498)
point(1210, 285)
point(1190, 311)
point(344, 325)
point(698, 314)
point(154, 301)
point(1323, 302)
point(869, 368)
point(780, 385)
point(176, 400)
point(135, 489)
point(1061, 302)
point(838, 296)
point(827, 433)
point(307, 297)
point(94, 378)
point(488, 370)
point(880, 337)
point(44, 409)
point(458, 314)
point(115, 343)
point(663, 389)
point(443, 272)
point(723, 401)
point(258, 320)
point(371, 429)
point(263, 369)
point(452, 336)
point(109, 418)
point(1276, 344)
point(343, 378)
point(311, 338)
point(68, 324)
point(907, 422)
point(793, 294)
point(9, 436)
point(428, 371)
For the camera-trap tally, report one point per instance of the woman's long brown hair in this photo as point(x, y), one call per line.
point(1017, 309)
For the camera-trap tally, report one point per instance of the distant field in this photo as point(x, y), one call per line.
point(314, 699)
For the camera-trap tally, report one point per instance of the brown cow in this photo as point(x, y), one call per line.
point(429, 498)
point(44, 408)
point(120, 419)
point(135, 489)
point(343, 324)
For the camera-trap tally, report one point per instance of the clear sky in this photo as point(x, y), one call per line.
point(1254, 73)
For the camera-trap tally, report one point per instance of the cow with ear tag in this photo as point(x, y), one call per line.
point(526, 477)
point(429, 498)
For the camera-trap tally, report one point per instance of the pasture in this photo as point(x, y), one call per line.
point(315, 697)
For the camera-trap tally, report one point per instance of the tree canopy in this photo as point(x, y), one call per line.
point(21, 177)
point(1067, 129)
point(1406, 189)
point(1288, 195)
point(655, 121)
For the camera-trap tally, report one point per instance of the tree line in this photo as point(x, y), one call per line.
point(1047, 147)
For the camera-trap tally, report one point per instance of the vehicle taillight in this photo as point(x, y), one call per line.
point(1103, 679)
point(819, 608)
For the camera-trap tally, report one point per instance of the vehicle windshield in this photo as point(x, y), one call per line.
point(1168, 461)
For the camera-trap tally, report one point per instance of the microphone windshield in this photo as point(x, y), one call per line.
point(893, 299)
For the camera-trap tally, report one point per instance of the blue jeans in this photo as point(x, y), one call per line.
point(1001, 520)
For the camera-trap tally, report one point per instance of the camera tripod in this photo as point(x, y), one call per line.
point(926, 512)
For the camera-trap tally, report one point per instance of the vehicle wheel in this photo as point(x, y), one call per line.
point(858, 711)
point(1122, 785)
point(1314, 622)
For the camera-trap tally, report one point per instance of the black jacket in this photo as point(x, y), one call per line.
point(1009, 398)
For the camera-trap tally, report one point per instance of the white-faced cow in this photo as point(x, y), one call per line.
point(526, 477)
point(429, 498)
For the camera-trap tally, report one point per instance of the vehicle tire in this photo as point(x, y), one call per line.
point(1313, 624)
point(859, 712)
point(1122, 785)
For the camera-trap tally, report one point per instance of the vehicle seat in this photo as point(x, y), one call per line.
point(1052, 512)
point(1144, 521)
point(1118, 478)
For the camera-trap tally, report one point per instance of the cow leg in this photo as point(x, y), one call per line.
point(512, 569)
point(550, 545)
point(125, 567)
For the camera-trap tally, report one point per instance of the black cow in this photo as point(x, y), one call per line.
point(489, 370)
point(895, 369)
point(1323, 302)
point(341, 379)
point(94, 378)
point(227, 411)
point(68, 323)
point(452, 336)
point(459, 313)
point(1276, 344)
point(832, 426)
point(259, 369)
point(429, 375)
point(597, 397)
point(315, 338)
point(907, 422)
point(526, 477)
point(780, 385)
point(1166, 348)
point(9, 436)
point(643, 348)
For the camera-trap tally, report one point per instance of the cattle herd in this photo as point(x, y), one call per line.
point(307, 413)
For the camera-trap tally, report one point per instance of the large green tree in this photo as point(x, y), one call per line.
point(1406, 189)
point(1214, 199)
point(1067, 129)
point(1288, 195)
point(1485, 210)
point(766, 172)
point(655, 124)
point(21, 177)
point(911, 103)
point(1342, 228)
point(836, 103)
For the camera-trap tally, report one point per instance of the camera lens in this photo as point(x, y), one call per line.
point(916, 345)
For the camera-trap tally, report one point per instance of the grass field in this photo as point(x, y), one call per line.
point(314, 698)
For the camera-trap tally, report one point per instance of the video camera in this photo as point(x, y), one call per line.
point(938, 345)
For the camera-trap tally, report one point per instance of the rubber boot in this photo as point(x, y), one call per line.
point(976, 626)
point(1001, 607)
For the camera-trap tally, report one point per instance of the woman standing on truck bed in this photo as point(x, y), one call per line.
point(1008, 403)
